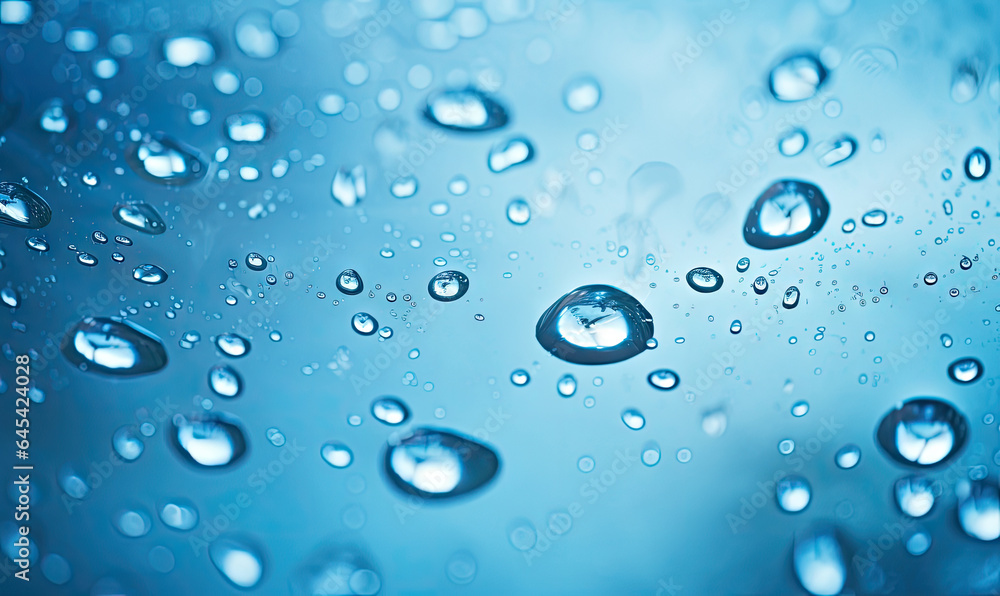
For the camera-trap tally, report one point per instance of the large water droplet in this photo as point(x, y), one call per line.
point(349, 282)
point(212, 441)
point(224, 381)
point(22, 208)
point(149, 274)
point(791, 297)
point(390, 410)
point(436, 464)
point(448, 286)
point(566, 385)
point(819, 563)
point(977, 164)
point(254, 35)
point(364, 324)
point(238, 561)
point(847, 456)
point(923, 432)
point(797, 78)
point(336, 454)
point(467, 110)
point(979, 508)
point(166, 161)
point(633, 419)
point(704, 280)
point(874, 218)
point(663, 379)
point(965, 370)
point(787, 213)
point(914, 495)
point(513, 152)
point(139, 216)
point(232, 345)
point(595, 324)
point(113, 346)
point(793, 493)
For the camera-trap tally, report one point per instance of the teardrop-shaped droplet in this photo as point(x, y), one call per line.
point(797, 78)
point(37, 243)
point(513, 152)
point(923, 432)
point(232, 345)
point(633, 419)
point(836, 151)
point(704, 280)
point(760, 285)
point(237, 560)
point(224, 381)
point(914, 495)
point(977, 164)
point(349, 186)
point(791, 297)
point(467, 110)
point(149, 274)
point(246, 127)
point(364, 324)
point(22, 208)
point(965, 370)
point(582, 94)
point(139, 216)
point(390, 410)
point(663, 379)
point(210, 441)
point(448, 286)
point(793, 493)
point(436, 464)
point(819, 562)
point(847, 456)
point(114, 347)
point(787, 213)
point(85, 258)
point(979, 508)
point(349, 282)
point(874, 218)
point(166, 161)
point(793, 142)
point(336, 454)
point(9, 297)
point(595, 324)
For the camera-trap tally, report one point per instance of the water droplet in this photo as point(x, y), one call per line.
point(874, 218)
point(797, 78)
point(187, 51)
point(336, 454)
point(704, 280)
point(836, 151)
point(790, 298)
point(786, 446)
point(127, 443)
point(166, 161)
point(743, 264)
point(35, 243)
point(979, 508)
point(520, 377)
point(566, 385)
point(793, 493)
point(650, 454)
point(965, 370)
point(965, 80)
point(914, 495)
point(582, 94)
point(461, 568)
point(946, 340)
point(436, 464)
point(133, 523)
point(254, 36)
point(139, 216)
point(364, 324)
point(923, 432)
point(965, 263)
point(930, 278)
point(54, 118)
point(224, 381)
point(760, 285)
point(663, 379)
point(239, 562)
point(22, 208)
point(819, 563)
point(349, 185)
point(800, 409)
point(793, 142)
point(977, 164)
point(448, 286)
point(232, 345)
point(256, 261)
point(149, 274)
point(466, 110)
point(510, 153)
point(179, 514)
point(246, 127)
point(349, 282)
point(404, 187)
point(518, 212)
point(390, 410)
point(787, 213)
point(113, 346)
point(633, 419)
point(847, 456)
point(212, 441)
point(595, 324)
